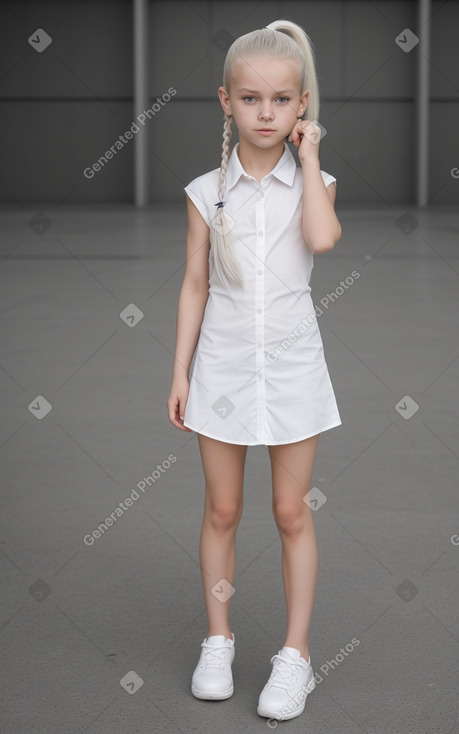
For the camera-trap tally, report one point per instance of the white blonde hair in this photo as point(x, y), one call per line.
point(291, 42)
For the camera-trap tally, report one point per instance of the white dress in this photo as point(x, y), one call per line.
point(258, 373)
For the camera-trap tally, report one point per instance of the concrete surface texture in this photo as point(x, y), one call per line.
point(100, 631)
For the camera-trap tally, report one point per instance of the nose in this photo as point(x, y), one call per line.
point(266, 113)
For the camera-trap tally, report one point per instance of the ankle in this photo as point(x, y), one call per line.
point(304, 651)
point(227, 633)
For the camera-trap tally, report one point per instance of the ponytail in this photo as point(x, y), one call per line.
point(309, 81)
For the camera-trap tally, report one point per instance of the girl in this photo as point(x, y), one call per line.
point(259, 375)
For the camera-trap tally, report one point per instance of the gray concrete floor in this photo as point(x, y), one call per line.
point(81, 624)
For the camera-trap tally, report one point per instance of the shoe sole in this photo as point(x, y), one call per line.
point(290, 715)
point(278, 716)
point(212, 695)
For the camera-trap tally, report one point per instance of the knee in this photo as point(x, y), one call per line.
point(290, 517)
point(224, 515)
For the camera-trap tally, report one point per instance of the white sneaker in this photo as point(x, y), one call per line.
point(212, 678)
point(290, 682)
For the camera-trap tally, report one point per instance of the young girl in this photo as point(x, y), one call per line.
point(259, 375)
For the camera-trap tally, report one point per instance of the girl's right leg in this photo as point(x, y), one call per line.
point(223, 465)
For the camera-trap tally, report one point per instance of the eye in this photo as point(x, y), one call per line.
point(287, 99)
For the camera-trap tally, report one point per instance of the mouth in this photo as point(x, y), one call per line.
point(265, 130)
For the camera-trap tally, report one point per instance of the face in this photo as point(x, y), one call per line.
point(265, 94)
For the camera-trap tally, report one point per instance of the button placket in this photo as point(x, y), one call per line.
point(260, 315)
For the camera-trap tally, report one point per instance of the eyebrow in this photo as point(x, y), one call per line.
point(244, 89)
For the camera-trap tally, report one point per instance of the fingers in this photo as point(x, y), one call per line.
point(304, 127)
point(174, 417)
point(183, 428)
point(297, 132)
point(179, 422)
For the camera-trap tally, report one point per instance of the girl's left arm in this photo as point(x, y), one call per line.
point(321, 227)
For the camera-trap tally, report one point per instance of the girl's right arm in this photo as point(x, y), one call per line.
point(190, 313)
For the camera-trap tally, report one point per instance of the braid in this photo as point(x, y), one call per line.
point(227, 130)
point(222, 257)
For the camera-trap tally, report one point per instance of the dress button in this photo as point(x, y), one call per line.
point(260, 233)
point(258, 344)
point(259, 375)
point(258, 310)
point(260, 272)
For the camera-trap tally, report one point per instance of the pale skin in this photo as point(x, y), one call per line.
point(223, 463)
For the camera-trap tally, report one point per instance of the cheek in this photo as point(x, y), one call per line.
point(245, 112)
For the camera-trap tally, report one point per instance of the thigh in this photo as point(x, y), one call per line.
point(291, 468)
point(223, 465)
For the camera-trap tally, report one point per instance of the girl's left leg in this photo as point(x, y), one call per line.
point(291, 468)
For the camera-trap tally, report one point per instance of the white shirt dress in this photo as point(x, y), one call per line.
point(258, 373)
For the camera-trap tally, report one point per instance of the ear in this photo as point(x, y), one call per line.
point(303, 103)
point(224, 100)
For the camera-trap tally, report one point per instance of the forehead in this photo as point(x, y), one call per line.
point(265, 74)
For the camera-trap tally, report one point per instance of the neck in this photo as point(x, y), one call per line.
point(256, 161)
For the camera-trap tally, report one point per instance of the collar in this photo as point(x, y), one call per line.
point(284, 170)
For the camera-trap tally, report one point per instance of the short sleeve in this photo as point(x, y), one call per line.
point(197, 201)
point(327, 178)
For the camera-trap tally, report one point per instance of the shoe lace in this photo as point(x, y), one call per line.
point(284, 673)
point(213, 657)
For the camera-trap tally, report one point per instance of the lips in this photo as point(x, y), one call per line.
point(265, 130)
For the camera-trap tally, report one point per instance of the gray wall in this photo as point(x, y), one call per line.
point(61, 109)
